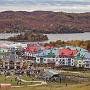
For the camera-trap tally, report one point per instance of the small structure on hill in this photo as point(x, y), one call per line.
point(51, 75)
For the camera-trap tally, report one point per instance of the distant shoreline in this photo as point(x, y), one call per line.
point(40, 32)
point(52, 37)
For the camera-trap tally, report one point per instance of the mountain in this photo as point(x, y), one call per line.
point(44, 22)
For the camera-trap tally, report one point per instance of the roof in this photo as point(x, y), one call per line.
point(87, 55)
point(32, 49)
point(49, 52)
point(80, 55)
point(50, 73)
point(49, 47)
point(17, 45)
point(76, 48)
point(67, 52)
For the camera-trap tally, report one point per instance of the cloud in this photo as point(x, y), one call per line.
point(45, 5)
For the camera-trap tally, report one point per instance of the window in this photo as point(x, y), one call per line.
point(63, 60)
point(69, 59)
point(16, 57)
point(18, 67)
point(80, 65)
point(6, 67)
point(44, 59)
point(6, 62)
point(87, 65)
point(37, 59)
point(66, 62)
point(18, 63)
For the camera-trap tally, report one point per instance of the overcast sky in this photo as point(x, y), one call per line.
point(46, 5)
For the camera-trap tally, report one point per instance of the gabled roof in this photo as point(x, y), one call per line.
point(76, 48)
point(81, 53)
point(49, 52)
point(67, 52)
point(50, 73)
point(32, 49)
point(87, 55)
point(49, 47)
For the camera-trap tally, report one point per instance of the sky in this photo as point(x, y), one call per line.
point(72, 6)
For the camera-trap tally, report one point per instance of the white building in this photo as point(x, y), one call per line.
point(86, 60)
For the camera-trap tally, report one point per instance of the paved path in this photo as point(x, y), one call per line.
point(41, 83)
point(25, 81)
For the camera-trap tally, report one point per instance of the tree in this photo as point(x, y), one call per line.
point(25, 65)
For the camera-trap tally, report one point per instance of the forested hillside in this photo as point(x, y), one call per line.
point(44, 22)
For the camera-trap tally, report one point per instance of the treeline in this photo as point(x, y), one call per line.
point(33, 37)
point(82, 44)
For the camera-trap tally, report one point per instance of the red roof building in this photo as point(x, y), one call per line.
point(32, 49)
point(67, 52)
point(49, 47)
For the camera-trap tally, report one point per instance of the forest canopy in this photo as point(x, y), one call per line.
point(29, 37)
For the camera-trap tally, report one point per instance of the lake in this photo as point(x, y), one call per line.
point(69, 37)
point(7, 35)
point(52, 37)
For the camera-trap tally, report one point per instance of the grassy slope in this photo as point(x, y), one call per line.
point(69, 87)
point(13, 82)
point(50, 86)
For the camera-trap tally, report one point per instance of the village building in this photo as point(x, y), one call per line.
point(66, 57)
point(86, 60)
point(47, 56)
point(76, 48)
point(12, 61)
point(51, 75)
point(3, 52)
point(79, 59)
point(14, 55)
